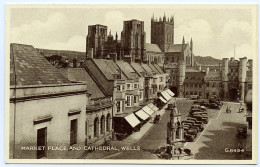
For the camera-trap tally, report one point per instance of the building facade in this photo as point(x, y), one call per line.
point(44, 105)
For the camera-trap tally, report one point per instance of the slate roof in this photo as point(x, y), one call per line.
point(213, 75)
point(158, 68)
point(108, 68)
point(80, 74)
point(127, 70)
point(194, 77)
point(152, 48)
point(154, 68)
point(32, 68)
point(147, 69)
point(176, 48)
point(139, 69)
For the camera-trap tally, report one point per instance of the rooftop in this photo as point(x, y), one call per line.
point(152, 48)
point(127, 70)
point(213, 75)
point(176, 48)
point(80, 74)
point(109, 68)
point(32, 68)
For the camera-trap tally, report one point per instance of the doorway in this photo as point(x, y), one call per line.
point(41, 143)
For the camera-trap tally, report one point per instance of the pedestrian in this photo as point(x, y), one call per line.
point(229, 109)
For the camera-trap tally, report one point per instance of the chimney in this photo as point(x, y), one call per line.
point(207, 70)
point(113, 56)
point(90, 53)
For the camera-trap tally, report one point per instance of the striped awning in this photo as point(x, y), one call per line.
point(141, 114)
point(162, 99)
point(132, 120)
point(148, 110)
point(170, 92)
point(153, 107)
point(166, 95)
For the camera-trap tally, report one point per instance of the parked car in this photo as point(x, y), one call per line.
point(191, 131)
point(188, 137)
point(202, 102)
point(191, 126)
point(194, 119)
point(196, 123)
point(193, 123)
point(214, 106)
point(201, 118)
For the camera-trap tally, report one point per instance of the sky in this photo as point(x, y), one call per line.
point(215, 30)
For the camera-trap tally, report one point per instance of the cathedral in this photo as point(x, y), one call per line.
point(186, 78)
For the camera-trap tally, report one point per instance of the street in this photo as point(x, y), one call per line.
point(217, 141)
point(156, 137)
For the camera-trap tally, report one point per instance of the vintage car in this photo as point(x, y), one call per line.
point(190, 131)
point(195, 106)
point(215, 106)
point(201, 124)
point(191, 126)
point(195, 119)
point(202, 102)
point(193, 123)
point(201, 118)
point(188, 137)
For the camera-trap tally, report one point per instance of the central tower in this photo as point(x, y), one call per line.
point(162, 32)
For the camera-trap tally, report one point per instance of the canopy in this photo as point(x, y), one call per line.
point(141, 114)
point(153, 107)
point(170, 92)
point(166, 95)
point(132, 120)
point(162, 99)
point(148, 110)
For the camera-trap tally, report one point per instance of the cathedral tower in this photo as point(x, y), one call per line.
point(162, 32)
point(97, 36)
point(133, 39)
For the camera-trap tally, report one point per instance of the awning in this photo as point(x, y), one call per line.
point(170, 92)
point(153, 107)
point(162, 99)
point(148, 110)
point(132, 120)
point(141, 114)
point(166, 93)
point(166, 96)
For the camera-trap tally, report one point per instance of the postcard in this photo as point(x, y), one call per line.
point(131, 84)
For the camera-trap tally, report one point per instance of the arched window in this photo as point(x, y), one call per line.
point(96, 127)
point(102, 124)
point(108, 122)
